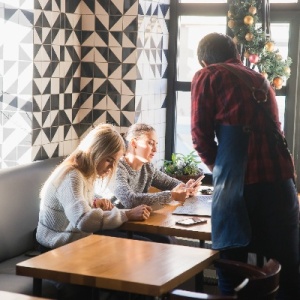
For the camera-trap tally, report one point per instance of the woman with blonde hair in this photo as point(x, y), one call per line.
point(136, 174)
point(69, 208)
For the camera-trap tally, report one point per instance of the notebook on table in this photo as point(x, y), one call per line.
point(199, 205)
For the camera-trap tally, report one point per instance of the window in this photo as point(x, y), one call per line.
point(193, 21)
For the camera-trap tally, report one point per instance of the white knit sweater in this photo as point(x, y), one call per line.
point(66, 214)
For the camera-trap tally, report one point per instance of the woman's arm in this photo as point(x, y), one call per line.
point(131, 189)
point(75, 196)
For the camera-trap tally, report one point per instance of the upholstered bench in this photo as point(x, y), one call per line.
point(19, 210)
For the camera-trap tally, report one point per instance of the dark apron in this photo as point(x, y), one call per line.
point(230, 221)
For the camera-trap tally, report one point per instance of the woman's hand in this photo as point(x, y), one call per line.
point(193, 186)
point(102, 203)
point(139, 213)
point(179, 193)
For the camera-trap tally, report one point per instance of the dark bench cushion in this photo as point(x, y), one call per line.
point(19, 205)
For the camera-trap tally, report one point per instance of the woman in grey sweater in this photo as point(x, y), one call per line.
point(136, 173)
point(69, 209)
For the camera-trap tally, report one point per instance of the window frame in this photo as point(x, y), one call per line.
point(287, 12)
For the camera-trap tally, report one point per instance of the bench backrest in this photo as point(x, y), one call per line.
point(19, 205)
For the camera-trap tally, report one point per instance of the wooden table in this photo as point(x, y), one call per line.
point(126, 265)
point(14, 296)
point(163, 222)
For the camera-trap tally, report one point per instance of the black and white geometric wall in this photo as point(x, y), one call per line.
point(91, 62)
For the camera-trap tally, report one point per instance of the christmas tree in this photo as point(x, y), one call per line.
point(254, 41)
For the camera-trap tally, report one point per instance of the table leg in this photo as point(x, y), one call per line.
point(199, 282)
point(37, 287)
point(201, 243)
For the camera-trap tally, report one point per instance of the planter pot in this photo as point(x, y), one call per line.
point(186, 178)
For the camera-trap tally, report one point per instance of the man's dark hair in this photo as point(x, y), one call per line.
point(216, 48)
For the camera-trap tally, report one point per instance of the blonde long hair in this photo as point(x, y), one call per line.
point(100, 143)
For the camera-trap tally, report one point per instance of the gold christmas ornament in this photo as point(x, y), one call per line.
point(249, 36)
point(265, 74)
point(231, 24)
point(278, 56)
point(287, 70)
point(248, 20)
point(229, 14)
point(235, 40)
point(252, 10)
point(246, 54)
point(269, 46)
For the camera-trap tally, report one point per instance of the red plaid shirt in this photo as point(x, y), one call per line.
point(220, 97)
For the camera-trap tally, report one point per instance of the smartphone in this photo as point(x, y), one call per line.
point(197, 181)
point(191, 221)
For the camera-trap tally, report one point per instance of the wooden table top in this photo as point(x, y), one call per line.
point(14, 296)
point(127, 265)
point(162, 221)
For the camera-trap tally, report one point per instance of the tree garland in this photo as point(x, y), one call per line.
point(256, 47)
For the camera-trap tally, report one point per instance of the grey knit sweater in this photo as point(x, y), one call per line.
point(66, 214)
point(131, 186)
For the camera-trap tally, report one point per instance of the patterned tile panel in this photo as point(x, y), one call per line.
point(90, 62)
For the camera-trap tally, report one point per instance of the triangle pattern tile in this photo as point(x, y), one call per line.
point(129, 55)
point(101, 103)
point(73, 6)
point(114, 71)
point(102, 22)
point(100, 85)
point(130, 23)
point(25, 17)
point(27, 38)
point(148, 8)
point(138, 103)
point(114, 39)
point(86, 85)
point(11, 15)
point(77, 23)
point(87, 102)
point(115, 54)
point(100, 70)
point(99, 116)
point(38, 4)
point(129, 39)
point(56, 4)
point(87, 53)
point(117, 25)
point(113, 117)
point(128, 87)
point(101, 54)
point(131, 7)
point(25, 52)
point(48, 5)
point(117, 7)
point(111, 104)
point(85, 116)
point(127, 118)
point(67, 132)
point(99, 9)
point(99, 40)
point(36, 137)
point(129, 72)
point(87, 7)
point(127, 103)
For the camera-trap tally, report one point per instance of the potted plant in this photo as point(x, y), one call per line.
point(183, 167)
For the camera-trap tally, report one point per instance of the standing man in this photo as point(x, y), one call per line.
point(236, 132)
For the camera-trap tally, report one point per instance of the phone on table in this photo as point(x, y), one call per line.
point(199, 179)
point(191, 221)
